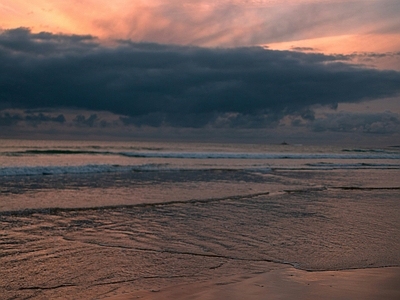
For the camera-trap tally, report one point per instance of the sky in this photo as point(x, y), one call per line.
point(246, 70)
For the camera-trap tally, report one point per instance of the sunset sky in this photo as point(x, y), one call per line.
point(237, 68)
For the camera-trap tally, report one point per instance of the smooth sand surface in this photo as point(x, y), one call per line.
point(284, 283)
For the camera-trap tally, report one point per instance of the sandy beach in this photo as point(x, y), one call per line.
point(309, 223)
point(283, 283)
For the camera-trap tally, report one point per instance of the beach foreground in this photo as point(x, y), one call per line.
point(163, 221)
point(283, 283)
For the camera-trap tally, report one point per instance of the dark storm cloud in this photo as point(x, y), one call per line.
point(156, 85)
point(385, 122)
point(39, 118)
point(81, 120)
point(9, 119)
point(372, 55)
point(303, 49)
point(22, 41)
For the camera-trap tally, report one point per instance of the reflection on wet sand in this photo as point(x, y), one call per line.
point(89, 253)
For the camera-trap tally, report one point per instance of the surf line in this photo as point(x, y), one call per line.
point(56, 210)
point(367, 188)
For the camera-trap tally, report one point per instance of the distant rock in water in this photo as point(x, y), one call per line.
point(284, 143)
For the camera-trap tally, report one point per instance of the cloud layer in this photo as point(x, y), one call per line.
point(205, 22)
point(179, 86)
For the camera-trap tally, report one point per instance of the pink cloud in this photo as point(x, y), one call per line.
point(206, 23)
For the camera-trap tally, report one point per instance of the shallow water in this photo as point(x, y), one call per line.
point(158, 220)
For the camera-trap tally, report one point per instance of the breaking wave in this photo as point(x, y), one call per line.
point(346, 154)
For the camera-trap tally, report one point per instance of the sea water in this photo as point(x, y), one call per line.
point(78, 216)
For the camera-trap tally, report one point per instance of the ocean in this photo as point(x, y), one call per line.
point(79, 218)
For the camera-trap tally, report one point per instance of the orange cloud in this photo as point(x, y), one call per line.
point(215, 23)
point(345, 44)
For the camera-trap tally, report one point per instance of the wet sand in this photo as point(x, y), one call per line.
point(282, 283)
point(234, 246)
point(208, 250)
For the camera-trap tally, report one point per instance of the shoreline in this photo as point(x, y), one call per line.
point(285, 282)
